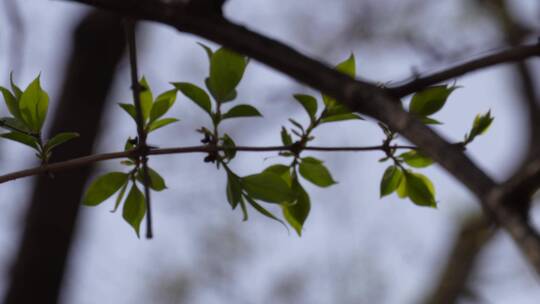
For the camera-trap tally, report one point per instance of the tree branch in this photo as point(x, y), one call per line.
point(359, 96)
point(87, 160)
point(514, 54)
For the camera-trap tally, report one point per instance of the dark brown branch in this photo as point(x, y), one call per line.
point(129, 25)
point(87, 160)
point(514, 54)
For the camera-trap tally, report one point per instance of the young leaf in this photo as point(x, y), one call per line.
point(263, 211)
point(416, 159)
point(283, 171)
point(207, 49)
point(297, 213)
point(14, 88)
point(390, 180)
point(120, 197)
point(134, 208)
point(11, 103)
point(230, 146)
point(244, 210)
point(286, 137)
point(480, 125)
point(314, 171)
point(242, 110)
point(13, 124)
point(59, 139)
point(402, 187)
point(309, 103)
point(338, 112)
point(196, 94)
point(430, 100)
point(348, 66)
point(146, 99)
point(162, 104)
point(226, 71)
point(130, 109)
point(160, 123)
point(268, 187)
point(33, 106)
point(103, 187)
point(420, 190)
point(157, 183)
point(234, 189)
point(22, 138)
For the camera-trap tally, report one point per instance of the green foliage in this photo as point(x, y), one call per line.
point(151, 109)
point(277, 186)
point(29, 111)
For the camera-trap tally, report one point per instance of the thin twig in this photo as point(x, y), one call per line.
point(141, 133)
point(87, 160)
point(509, 55)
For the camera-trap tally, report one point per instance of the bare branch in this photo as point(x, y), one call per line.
point(514, 54)
point(87, 160)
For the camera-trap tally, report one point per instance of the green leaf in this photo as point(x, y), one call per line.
point(263, 211)
point(348, 66)
point(146, 99)
point(480, 125)
point(196, 94)
point(157, 183)
point(297, 213)
point(207, 49)
point(23, 139)
point(234, 189)
point(283, 171)
point(11, 103)
point(59, 139)
point(230, 146)
point(13, 124)
point(314, 171)
point(309, 103)
point(341, 117)
point(338, 112)
point(14, 88)
point(103, 187)
point(160, 123)
point(286, 137)
point(244, 210)
point(430, 121)
point(120, 197)
point(162, 104)
point(390, 180)
point(242, 110)
point(268, 187)
point(134, 208)
point(402, 188)
point(130, 109)
point(420, 190)
point(416, 159)
point(226, 71)
point(33, 106)
point(430, 100)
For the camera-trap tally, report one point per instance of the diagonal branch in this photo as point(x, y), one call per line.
point(359, 96)
point(514, 54)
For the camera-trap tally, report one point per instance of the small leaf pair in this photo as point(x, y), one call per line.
point(152, 110)
point(29, 110)
point(134, 208)
point(415, 186)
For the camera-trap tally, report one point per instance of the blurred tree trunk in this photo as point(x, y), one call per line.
point(50, 223)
